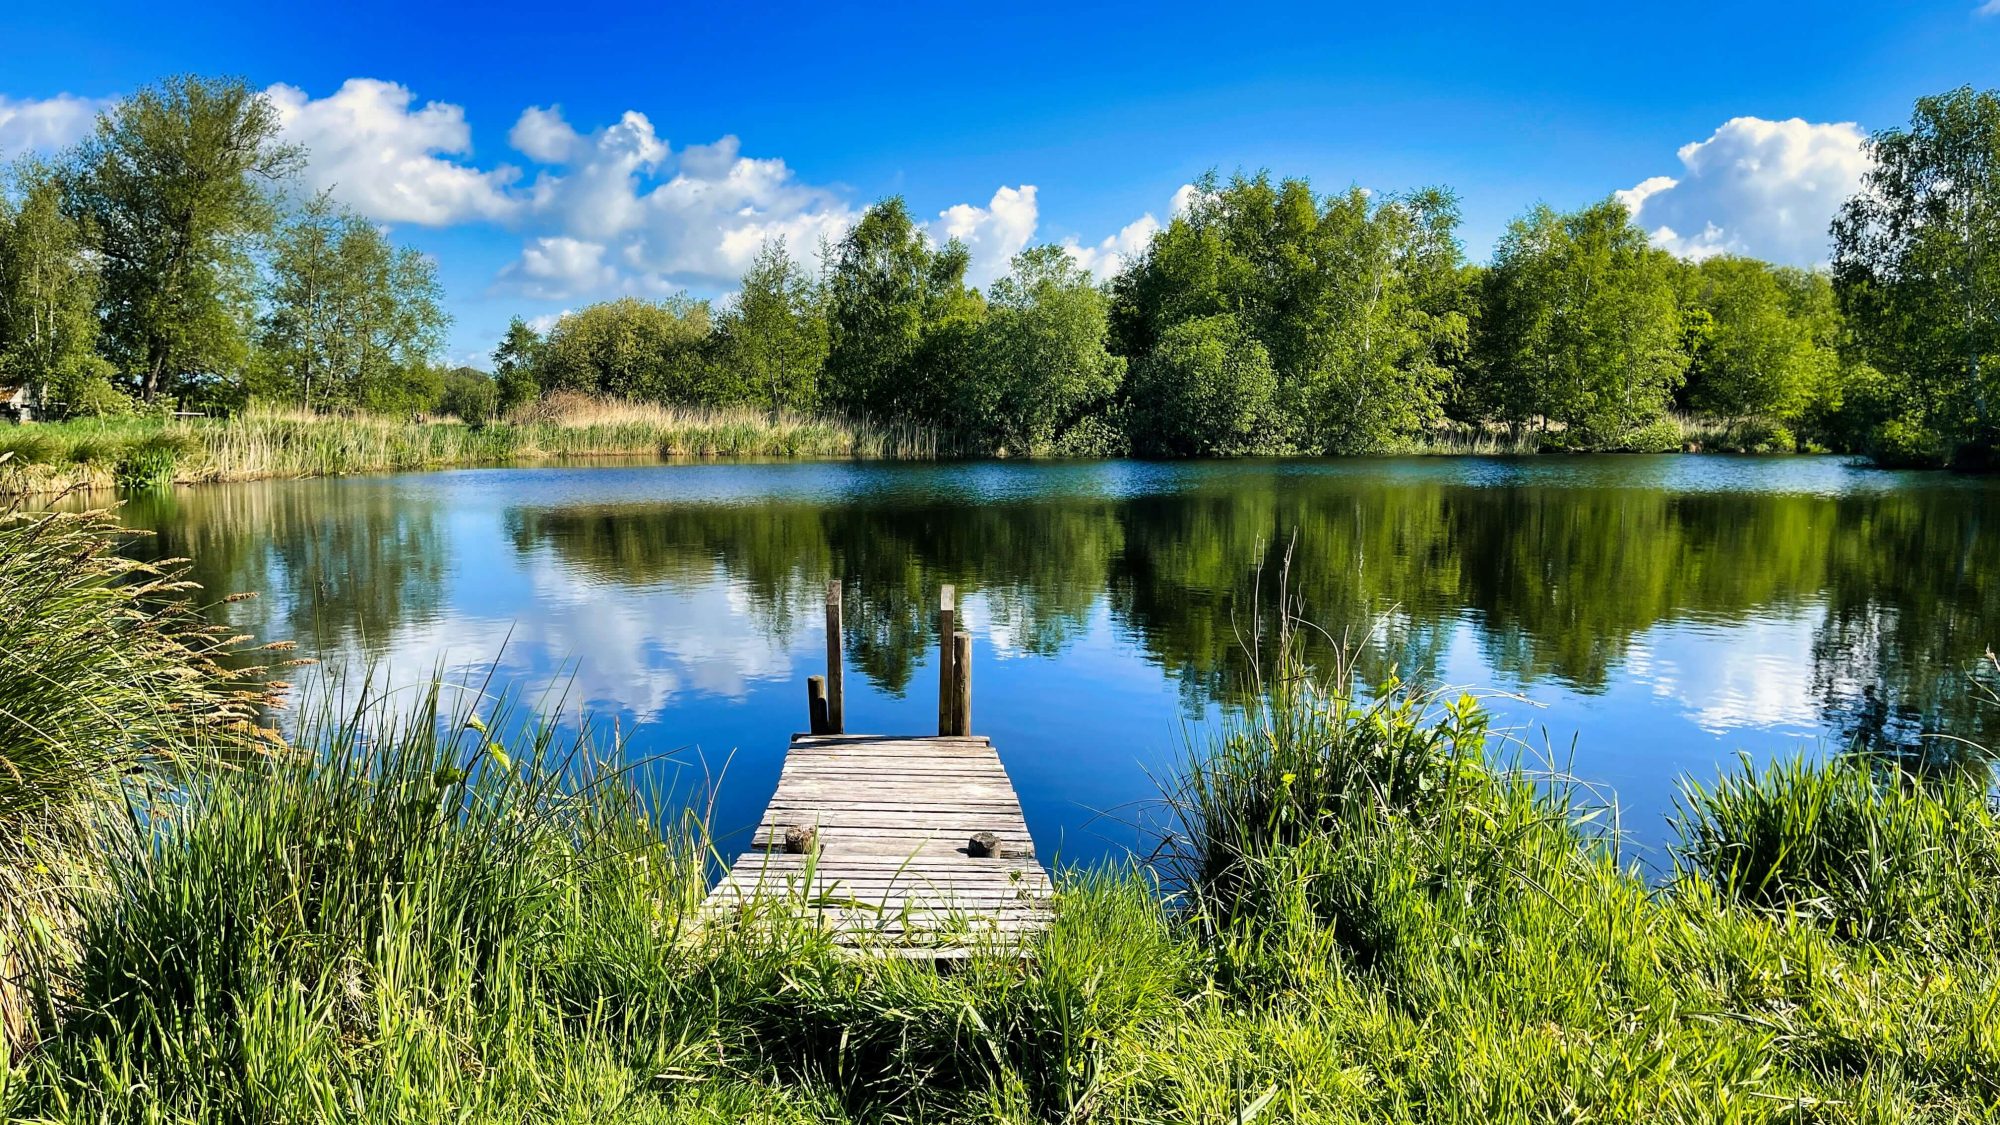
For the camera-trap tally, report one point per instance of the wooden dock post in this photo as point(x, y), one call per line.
point(816, 704)
point(961, 683)
point(946, 680)
point(836, 696)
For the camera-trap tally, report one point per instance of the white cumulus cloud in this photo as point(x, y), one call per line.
point(658, 220)
point(993, 233)
point(543, 135)
point(557, 266)
point(1108, 257)
point(1768, 189)
point(45, 125)
point(1105, 259)
point(390, 159)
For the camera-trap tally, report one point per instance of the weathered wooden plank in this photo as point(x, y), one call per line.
point(855, 825)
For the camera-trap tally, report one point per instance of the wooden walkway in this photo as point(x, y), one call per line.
point(890, 862)
point(902, 846)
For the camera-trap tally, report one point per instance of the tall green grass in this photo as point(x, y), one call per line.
point(1872, 852)
point(109, 682)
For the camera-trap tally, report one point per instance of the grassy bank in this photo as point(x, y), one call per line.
point(95, 454)
point(416, 916)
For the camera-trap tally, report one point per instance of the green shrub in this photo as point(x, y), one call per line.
point(1206, 389)
point(1662, 435)
point(149, 462)
point(84, 390)
point(1095, 436)
point(1907, 443)
point(469, 395)
point(1761, 435)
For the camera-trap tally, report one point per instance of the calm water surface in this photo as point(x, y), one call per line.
point(1655, 616)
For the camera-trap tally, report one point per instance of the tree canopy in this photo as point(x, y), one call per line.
point(352, 320)
point(1917, 266)
point(175, 187)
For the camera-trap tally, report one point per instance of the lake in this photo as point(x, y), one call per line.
point(1635, 619)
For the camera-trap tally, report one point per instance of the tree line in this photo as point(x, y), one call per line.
point(1265, 318)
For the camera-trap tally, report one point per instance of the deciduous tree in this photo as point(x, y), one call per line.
point(351, 319)
point(628, 348)
point(771, 346)
point(175, 189)
point(48, 297)
point(1917, 267)
point(1042, 357)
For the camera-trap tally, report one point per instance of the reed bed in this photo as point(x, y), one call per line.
point(438, 910)
point(127, 453)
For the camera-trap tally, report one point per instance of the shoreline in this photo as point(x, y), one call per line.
point(112, 455)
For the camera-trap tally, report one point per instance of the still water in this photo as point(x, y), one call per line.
point(1637, 619)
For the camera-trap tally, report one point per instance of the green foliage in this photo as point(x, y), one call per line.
point(1759, 436)
point(83, 388)
point(1917, 266)
point(1098, 435)
point(629, 349)
point(1768, 347)
point(1206, 389)
point(173, 189)
point(148, 463)
point(514, 364)
point(772, 344)
point(111, 681)
point(903, 325)
point(48, 296)
point(1662, 435)
point(469, 395)
point(352, 321)
point(1042, 364)
point(1580, 324)
point(1353, 301)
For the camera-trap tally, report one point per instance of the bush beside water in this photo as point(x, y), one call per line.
point(433, 912)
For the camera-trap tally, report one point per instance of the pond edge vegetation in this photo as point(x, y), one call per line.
point(427, 910)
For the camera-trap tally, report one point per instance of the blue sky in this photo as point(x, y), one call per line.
point(687, 134)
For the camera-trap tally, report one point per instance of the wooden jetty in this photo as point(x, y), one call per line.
point(902, 845)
